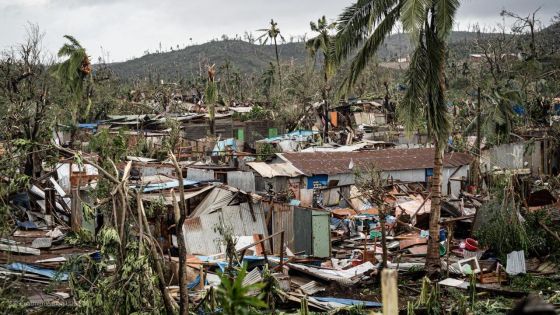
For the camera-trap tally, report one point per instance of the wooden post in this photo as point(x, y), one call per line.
point(50, 205)
point(201, 275)
point(75, 211)
point(281, 250)
point(390, 298)
point(449, 235)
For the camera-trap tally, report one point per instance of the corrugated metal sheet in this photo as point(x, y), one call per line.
point(343, 179)
point(386, 160)
point(331, 197)
point(168, 185)
point(242, 180)
point(312, 287)
point(283, 220)
point(200, 174)
point(167, 197)
point(274, 169)
point(369, 118)
point(213, 211)
point(303, 239)
point(320, 224)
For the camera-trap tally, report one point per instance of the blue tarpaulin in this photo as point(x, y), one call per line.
point(519, 109)
point(51, 274)
point(348, 302)
point(92, 126)
point(298, 135)
point(193, 284)
point(26, 225)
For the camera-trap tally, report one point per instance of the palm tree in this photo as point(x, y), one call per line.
point(73, 73)
point(363, 26)
point(323, 42)
point(272, 33)
point(211, 97)
point(497, 115)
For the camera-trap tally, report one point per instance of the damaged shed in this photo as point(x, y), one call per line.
point(233, 210)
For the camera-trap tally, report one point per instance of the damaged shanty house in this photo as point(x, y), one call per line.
point(224, 209)
point(302, 174)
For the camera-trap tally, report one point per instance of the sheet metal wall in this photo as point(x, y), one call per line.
point(509, 156)
point(242, 180)
point(283, 220)
point(200, 174)
point(200, 235)
point(303, 232)
point(195, 131)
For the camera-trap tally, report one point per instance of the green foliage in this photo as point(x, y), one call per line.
point(11, 301)
point(496, 306)
point(430, 299)
point(72, 72)
point(130, 289)
point(530, 283)
point(265, 151)
point(235, 299)
point(271, 289)
point(81, 238)
point(172, 141)
point(501, 229)
point(109, 146)
point(541, 243)
point(155, 208)
point(109, 240)
point(256, 113)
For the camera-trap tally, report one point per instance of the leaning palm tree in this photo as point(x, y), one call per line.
point(363, 26)
point(323, 42)
point(73, 73)
point(272, 33)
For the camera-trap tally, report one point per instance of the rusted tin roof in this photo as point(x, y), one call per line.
point(331, 163)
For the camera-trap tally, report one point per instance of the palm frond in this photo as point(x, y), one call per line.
point(411, 107)
point(353, 27)
point(367, 51)
point(446, 10)
point(436, 114)
point(73, 41)
point(414, 15)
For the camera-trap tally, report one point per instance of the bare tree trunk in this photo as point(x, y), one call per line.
point(383, 220)
point(278, 63)
point(433, 263)
point(170, 305)
point(476, 168)
point(183, 289)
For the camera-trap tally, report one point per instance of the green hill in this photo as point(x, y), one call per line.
point(254, 58)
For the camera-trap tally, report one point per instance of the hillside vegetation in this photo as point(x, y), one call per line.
point(245, 56)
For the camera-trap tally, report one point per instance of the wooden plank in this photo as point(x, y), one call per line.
point(406, 243)
point(418, 250)
point(19, 249)
point(389, 292)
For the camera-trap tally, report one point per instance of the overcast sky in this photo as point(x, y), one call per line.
point(127, 28)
